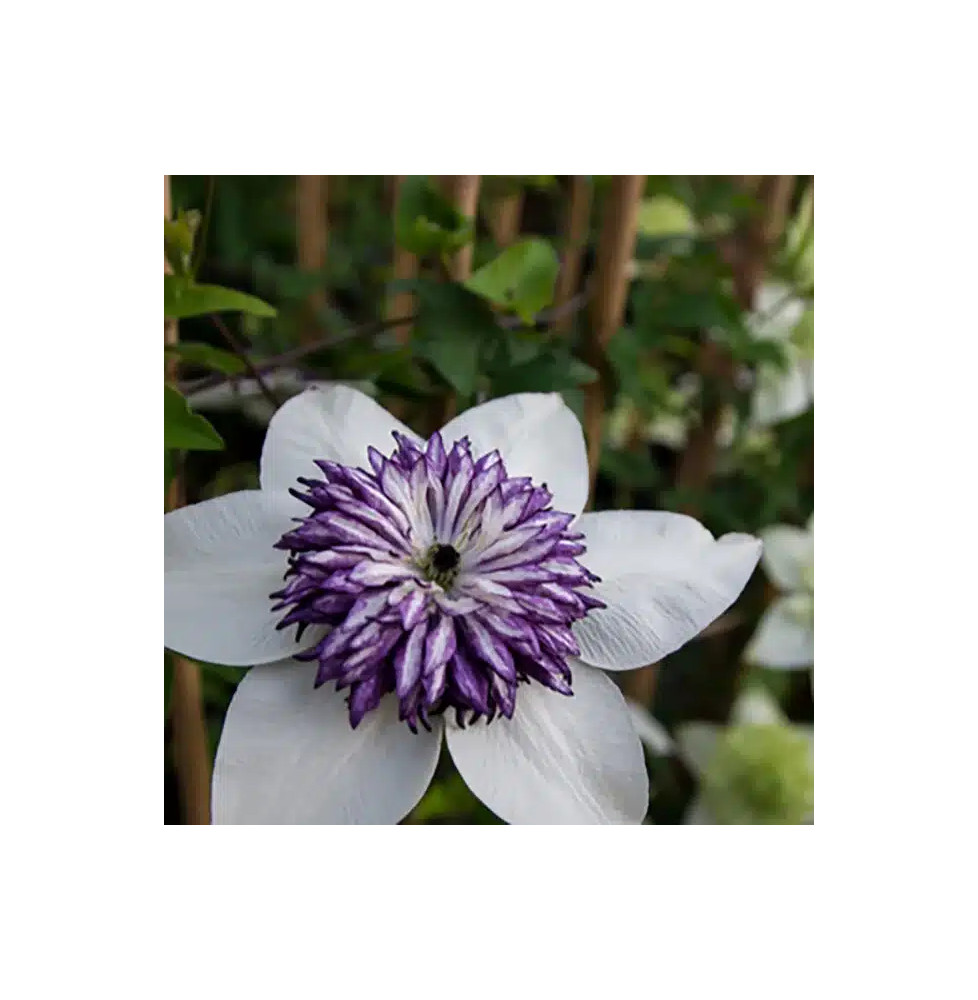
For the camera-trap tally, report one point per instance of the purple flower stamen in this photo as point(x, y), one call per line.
point(441, 579)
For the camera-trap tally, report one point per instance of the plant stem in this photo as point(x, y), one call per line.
point(189, 731)
point(239, 350)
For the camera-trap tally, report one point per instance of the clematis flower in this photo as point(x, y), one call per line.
point(446, 589)
point(785, 636)
point(757, 770)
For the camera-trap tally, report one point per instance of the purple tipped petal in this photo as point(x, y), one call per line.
point(491, 651)
point(409, 659)
point(440, 645)
point(435, 454)
point(413, 608)
point(376, 574)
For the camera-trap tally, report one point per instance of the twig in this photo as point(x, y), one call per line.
point(551, 315)
point(189, 731)
point(239, 350)
point(298, 353)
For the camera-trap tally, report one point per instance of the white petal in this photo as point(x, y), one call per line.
point(537, 435)
point(783, 640)
point(777, 312)
point(289, 756)
point(560, 759)
point(780, 395)
point(788, 551)
point(697, 744)
point(219, 568)
point(664, 579)
point(650, 731)
point(331, 422)
point(757, 707)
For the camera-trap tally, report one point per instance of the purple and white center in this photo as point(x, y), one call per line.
point(441, 578)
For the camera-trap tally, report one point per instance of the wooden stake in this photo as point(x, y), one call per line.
point(401, 303)
point(463, 192)
point(574, 234)
point(504, 216)
point(615, 249)
point(191, 755)
point(312, 238)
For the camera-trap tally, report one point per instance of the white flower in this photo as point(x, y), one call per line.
point(759, 769)
point(447, 544)
point(785, 636)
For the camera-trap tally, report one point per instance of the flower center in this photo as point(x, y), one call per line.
point(441, 565)
point(441, 579)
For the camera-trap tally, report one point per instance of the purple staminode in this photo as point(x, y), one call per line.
point(441, 578)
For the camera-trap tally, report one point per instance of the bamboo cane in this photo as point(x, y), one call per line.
point(400, 302)
point(463, 192)
point(312, 238)
point(574, 234)
point(504, 217)
point(607, 307)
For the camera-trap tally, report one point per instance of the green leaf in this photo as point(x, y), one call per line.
point(552, 371)
point(521, 279)
point(426, 222)
point(665, 216)
point(629, 469)
point(799, 250)
point(183, 298)
point(207, 357)
point(452, 328)
point(182, 428)
point(178, 240)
